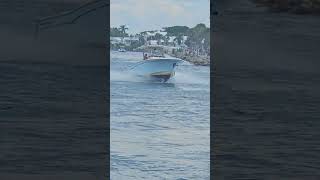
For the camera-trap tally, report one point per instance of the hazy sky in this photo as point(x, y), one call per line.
point(141, 15)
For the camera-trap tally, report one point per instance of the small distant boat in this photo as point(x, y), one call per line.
point(121, 50)
point(156, 65)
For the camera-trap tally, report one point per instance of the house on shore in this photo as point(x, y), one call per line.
point(126, 41)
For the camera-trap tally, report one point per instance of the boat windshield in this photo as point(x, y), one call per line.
point(155, 53)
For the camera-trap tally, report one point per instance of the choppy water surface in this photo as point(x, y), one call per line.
point(52, 119)
point(159, 130)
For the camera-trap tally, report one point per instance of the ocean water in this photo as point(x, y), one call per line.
point(159, 130)
point(52, 119)
point(266, 103)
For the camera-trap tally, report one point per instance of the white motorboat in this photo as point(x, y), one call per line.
point(156, 65)
point(121, 50)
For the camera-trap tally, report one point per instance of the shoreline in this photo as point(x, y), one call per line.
point(195, 60)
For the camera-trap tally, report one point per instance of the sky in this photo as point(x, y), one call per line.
point(142, 15)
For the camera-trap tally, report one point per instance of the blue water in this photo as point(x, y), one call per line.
point(159, 130)
point(52, 119)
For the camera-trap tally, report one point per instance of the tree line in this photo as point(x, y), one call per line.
point(119, 31)
point(198, 36)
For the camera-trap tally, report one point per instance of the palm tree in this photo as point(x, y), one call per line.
point(123, 29)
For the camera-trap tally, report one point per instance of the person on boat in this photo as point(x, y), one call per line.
point(145, 56)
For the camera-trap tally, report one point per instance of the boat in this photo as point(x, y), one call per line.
point(156, 65)
point(121, 50)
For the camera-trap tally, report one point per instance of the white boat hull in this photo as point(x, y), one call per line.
point(157, 68)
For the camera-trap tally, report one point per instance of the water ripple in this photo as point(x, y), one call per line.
point(159, 130)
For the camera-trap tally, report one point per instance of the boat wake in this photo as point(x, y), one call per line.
point(118, 75)
point(125, 76)
point(185, 77)
point(181, 76)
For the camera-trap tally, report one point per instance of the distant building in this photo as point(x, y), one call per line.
point(152, 42)
point(172, 39)
point(151, 38)
point(123, 40)
point(129, 40)
point(163, 33)
point(115, 40)
point(153, 33)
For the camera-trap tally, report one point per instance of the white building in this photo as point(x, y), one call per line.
point(152, 42)
point(123, 40)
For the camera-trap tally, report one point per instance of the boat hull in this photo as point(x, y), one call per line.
point(163, 76)
point(159, 69)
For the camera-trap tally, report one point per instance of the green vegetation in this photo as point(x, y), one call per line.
point(118, 46)
point(295, 6)
point(119, 32)
point(198, 35)
point(123, 29)
point(176, 30)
